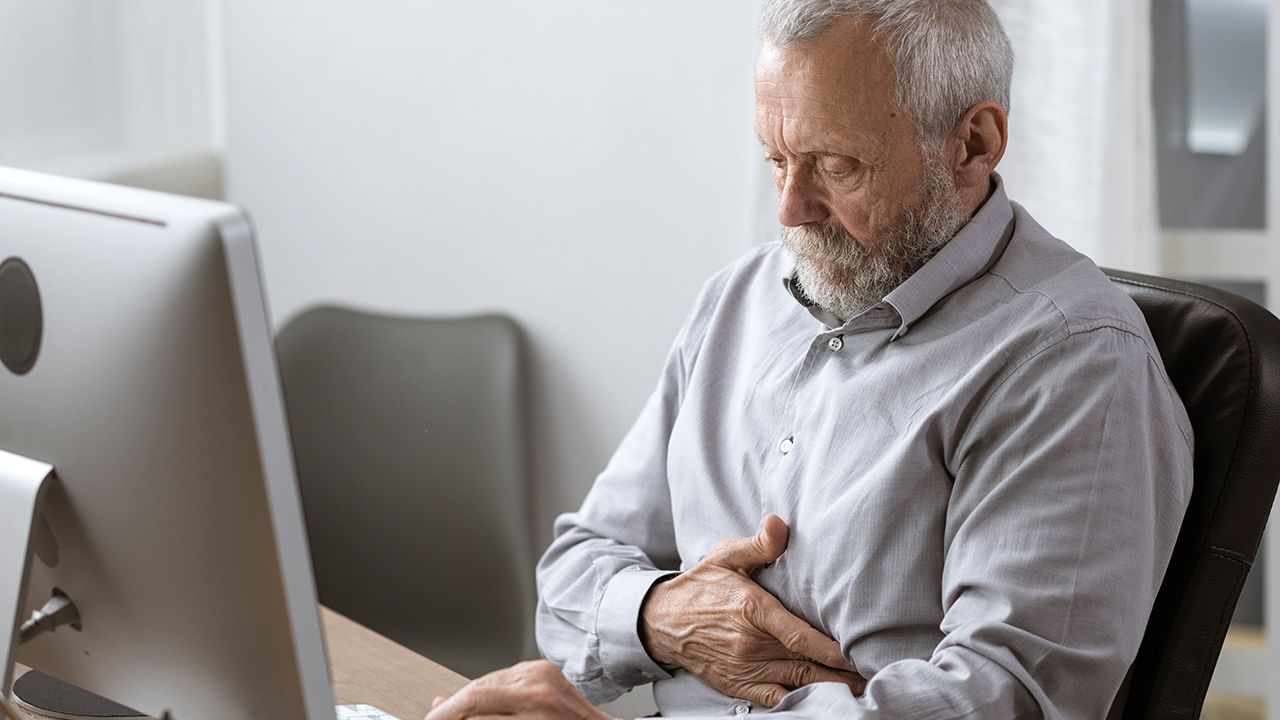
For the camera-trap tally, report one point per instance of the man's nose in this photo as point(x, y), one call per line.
point(801, 200)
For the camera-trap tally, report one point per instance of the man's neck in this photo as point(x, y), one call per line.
point(975, 198)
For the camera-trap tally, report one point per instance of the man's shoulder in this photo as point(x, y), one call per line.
point(1044, 308)
point(1041, 270)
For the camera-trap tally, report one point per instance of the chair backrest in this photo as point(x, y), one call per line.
point(1222, 353)
point(410, 441)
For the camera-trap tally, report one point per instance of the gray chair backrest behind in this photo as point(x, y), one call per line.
point(409, 436)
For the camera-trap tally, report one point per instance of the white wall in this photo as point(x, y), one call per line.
point(105, 88)
point(583, 166)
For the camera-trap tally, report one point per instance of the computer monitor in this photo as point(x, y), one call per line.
point(145, 377)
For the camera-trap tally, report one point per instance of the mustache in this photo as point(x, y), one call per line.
point(844, 274)
point(829, 242)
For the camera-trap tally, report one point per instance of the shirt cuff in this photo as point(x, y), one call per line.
point(621, 652)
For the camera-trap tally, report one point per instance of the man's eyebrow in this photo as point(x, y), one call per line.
point(815, 153)
point(849, 153)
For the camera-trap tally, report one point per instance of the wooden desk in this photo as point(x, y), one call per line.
point(369, 669)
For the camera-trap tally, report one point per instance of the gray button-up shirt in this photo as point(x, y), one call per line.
point(983, 475)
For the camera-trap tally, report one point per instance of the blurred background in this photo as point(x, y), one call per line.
point(583, 167)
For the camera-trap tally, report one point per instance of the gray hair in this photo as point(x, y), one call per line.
point(948, 55)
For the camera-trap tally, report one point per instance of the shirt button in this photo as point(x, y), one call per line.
point(741, 709)
point(835, 344)
point(786, 445)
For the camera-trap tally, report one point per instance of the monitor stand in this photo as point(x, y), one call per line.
point(23, 482)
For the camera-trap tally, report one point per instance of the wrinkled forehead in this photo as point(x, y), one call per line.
point(841, 82)
point(841, 70)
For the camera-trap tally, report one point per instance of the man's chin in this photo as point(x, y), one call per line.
point(816, 270)
point(823, 290)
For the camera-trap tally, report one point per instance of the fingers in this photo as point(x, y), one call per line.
point(745, 554)
point(798, 673)
point(497, 693)
point(775, 533)
point(535, 690)
point(717, 622)
point(799, 636)
point(765, 694)
point(782, 676)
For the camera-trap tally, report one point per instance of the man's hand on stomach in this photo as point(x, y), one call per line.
point(717, 623)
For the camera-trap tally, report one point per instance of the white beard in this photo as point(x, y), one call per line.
point(844, 276)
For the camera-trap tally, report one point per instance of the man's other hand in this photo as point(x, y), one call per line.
point(717, 623)
point(535, 690)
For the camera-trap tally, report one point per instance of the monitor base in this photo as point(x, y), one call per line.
point(47, 696)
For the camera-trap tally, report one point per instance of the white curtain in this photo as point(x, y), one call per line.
point(1081, 154)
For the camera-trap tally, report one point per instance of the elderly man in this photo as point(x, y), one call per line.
point(969, 462)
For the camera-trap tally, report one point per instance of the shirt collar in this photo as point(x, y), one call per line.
point(969, 254)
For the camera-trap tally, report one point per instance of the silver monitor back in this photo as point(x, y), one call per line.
point(176, 523)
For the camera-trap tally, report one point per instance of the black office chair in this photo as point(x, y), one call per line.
point(1222, 353)
point(409, 438)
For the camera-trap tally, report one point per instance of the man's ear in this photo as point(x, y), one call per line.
point(977, 143)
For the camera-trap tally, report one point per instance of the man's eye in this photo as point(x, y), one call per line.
point(777, 162)
point(838, 169)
